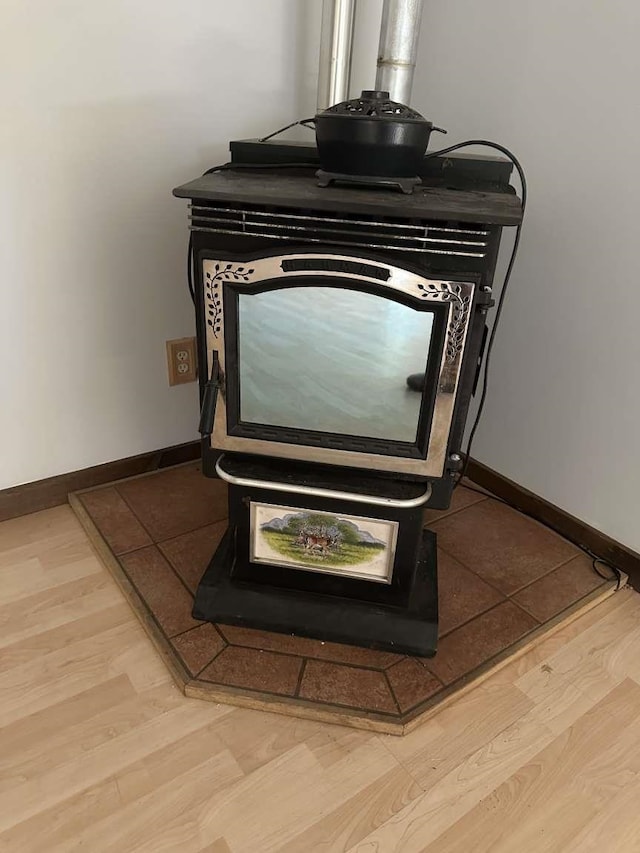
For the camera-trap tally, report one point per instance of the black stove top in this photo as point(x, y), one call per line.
point(299, 189)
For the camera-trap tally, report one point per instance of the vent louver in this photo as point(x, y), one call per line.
point(400, 235)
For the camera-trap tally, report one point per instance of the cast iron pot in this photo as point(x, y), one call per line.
point(372, 135)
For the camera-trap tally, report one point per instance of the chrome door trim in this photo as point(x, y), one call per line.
point(456, 295)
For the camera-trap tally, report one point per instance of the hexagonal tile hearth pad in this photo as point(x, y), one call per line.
point(504, 581)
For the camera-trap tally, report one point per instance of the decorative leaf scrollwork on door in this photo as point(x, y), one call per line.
point(443, 291)
point(213, 290)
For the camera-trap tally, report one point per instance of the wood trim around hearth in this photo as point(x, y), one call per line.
point(44, 494)
point(572, 528)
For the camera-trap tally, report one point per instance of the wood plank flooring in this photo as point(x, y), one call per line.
point(99, 751)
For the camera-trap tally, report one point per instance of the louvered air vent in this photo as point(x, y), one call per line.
point(427, 236)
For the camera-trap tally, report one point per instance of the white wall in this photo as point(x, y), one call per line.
point(558, 83)
point(106, 106)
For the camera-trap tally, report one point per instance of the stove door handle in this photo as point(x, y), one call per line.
point(310, 491)
point(210, 398)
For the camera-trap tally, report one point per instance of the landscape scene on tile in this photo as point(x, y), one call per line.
point(319, 541)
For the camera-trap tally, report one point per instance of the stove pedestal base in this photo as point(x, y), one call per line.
point(315, 552)
point(408, 630)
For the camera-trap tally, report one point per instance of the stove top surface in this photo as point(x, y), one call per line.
point(296, 188)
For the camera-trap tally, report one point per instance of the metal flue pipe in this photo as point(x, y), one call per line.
point(336, 42)
point(399, 34)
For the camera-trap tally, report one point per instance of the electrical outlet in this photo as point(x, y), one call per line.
point(182, 361)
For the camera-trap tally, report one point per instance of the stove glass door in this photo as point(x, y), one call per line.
point(333, 360)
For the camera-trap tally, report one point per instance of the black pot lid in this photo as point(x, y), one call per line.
point(374, 103)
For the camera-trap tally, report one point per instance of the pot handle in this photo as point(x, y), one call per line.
point(438, 130)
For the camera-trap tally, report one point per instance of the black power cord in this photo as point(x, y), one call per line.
point(303, 122)
point(617, 573)
point(505, 284)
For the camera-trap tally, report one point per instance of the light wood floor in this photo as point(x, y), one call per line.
point(100, 751)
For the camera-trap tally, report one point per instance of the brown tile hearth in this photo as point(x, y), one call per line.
point(190, 553)
point(480, 640)
point(287, 643)
point(353, 687)
point(161, 590)
point(461, 593)
point(412, 683)
point(503, 581)
point(505, 548)
point(255, 669)
point(115, 521)
point(548, 596)
point(195, 501)
point(198, 646)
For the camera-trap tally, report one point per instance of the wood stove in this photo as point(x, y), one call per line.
point(313, 305)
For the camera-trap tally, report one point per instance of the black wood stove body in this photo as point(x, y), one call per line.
point(313, 304)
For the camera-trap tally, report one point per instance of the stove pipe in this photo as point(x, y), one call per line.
point(336, 42)
point(398, 47)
